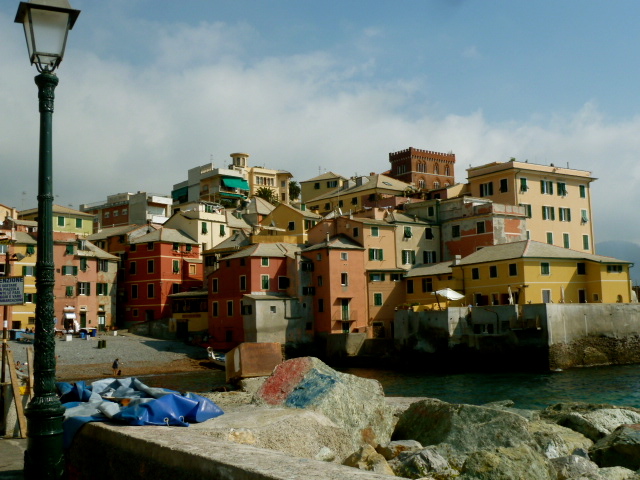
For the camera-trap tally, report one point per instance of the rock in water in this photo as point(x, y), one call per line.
point(353, 403)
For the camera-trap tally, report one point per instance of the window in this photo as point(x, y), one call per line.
point(332, 184)
point(583, 191)
point(480, 228)
point(176, 266)
point(203, 227)
point(316, 186)
point(546, 296)
point(344, 279)
point(291, 226)
point(375, 232)
point(150, 246)
point(283, 283)
point(475, 273)
point(229, 308)
point(78, 223)
point(486, 189)
point(429, 256)
point(585, 242)
point(545, 268)
point(84, 288)
point(427, 285)
point(151, 266)
point(69, 250)
point(61, 221)
point(564, 214)
point(396, 277)
point(550, 238)
point(134, 291)
point(264, 261)
point(320, 305)
point(214, 285)
point(493, 271)
point(513, 269)
point(504, 185)
point(356, 231)
point(264, 282)
point(103, 265)
point(376, 277)
point(115, 213)
point(614, 268)
point(409, 286)
point(421, 184)
point(566, 241)
point(106, 214)
point(188, 247)
point(214, 309)
point(69, 270)
point(428, 234)
point(102, 288)
point(376, 254)
point(344, 256)
point(548, 213)
point(527, 209)
point(132, 268)
point(83, 264)
point(243, 283)
point(151, 292)
point(4, 248)
point(124, 211)
point(581, 268)
point(584, 216)
point(407, 232)
point(523, 185)
point(455, 231)
point(133, 247)
point(327, 206)
point(562, 189)
point(28, 270)
point(546, 187)
point(30, 297)
point(377, 299)
point(69, 291)
point(408, 257)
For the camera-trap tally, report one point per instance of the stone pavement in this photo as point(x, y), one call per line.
point(12, 458)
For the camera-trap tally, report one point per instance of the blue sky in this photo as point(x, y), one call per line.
point(151, 88)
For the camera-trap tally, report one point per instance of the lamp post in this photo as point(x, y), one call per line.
point(46, 24)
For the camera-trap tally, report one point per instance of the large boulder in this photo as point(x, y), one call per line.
point(557, 441)
point(599, 423)
point(465, 428)
point(353, 403)
point(620, 448)
point(299, 433)
point(395, 448)
point(507, 463)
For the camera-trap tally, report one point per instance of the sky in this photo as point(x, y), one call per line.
point(151, 88)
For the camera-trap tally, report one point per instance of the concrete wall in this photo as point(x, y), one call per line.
point(565, 335)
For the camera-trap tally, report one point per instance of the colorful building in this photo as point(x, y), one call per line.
point(159, 263)
point(424, 169)
point(64, 219)
point(557, 200)
point(320, 185)
point(289, 221)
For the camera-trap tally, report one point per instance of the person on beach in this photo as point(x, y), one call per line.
point(116, 366)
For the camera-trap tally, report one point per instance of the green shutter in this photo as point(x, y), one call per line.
point(75, 270)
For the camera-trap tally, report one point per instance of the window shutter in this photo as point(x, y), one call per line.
point(371, 254)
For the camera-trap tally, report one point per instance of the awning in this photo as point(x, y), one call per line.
point(240, 183)
point(70, 316)
point(234, 195)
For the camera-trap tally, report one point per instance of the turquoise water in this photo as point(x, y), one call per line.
point(618, 385)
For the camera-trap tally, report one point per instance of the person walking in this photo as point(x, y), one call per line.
point(116, 366)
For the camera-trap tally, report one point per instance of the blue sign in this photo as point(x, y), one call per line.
point(12, 291)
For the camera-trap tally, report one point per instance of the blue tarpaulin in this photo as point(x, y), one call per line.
point(145, 405)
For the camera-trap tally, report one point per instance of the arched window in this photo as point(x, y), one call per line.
point(436, 170)
point(436, 184)
point(447, 172)
point(421, 183)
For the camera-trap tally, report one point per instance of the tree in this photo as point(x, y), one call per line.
point(294, 190)
point(267, 194)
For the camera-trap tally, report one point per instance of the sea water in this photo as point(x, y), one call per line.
point(617, 385)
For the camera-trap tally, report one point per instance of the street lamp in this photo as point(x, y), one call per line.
point(46, 24)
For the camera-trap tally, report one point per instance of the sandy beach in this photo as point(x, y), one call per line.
point(81, 359)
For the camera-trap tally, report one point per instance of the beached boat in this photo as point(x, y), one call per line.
point(216, 357)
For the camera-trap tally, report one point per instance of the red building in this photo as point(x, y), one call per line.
point(260, 269)
point(425, 169)
point(160, 263)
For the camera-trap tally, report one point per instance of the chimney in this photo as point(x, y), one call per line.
point(456, 260)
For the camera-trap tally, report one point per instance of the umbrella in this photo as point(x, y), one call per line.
point(510, 295)
point(449, 294)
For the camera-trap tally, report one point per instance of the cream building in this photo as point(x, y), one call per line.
point(557, 200)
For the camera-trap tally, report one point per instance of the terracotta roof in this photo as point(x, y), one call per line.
point(166, 235)
point(267, 250)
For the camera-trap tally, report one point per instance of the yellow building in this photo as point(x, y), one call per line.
point(557, 200)
point(358, 194)
point(320, 185)
point(18, 259)
point(422, 281)
point(289, 221)
point(64, 219)
point(534, 272)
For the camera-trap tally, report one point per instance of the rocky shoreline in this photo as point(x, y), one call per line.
point(345, 419)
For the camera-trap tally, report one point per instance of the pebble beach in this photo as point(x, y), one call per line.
point(81, 359)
